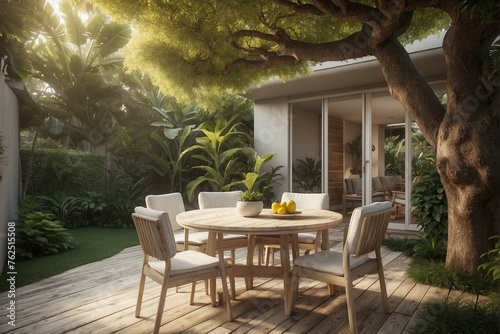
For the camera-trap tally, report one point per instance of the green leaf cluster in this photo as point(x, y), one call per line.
point(253, 179)
point(75, 58)
point(429, 204)
point(41, 234)
point(219, 154)
point(307, 174)
point(492, 260)
point(199, 50)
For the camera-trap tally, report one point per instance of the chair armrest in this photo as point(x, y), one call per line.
point(397, 194)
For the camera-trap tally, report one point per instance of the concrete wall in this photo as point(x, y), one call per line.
point(272, 130)
point(9, 130)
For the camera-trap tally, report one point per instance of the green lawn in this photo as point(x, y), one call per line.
point(92, 244)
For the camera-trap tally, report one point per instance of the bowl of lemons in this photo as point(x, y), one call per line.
point(285, 209)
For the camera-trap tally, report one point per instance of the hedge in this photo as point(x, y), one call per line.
point(70, 171)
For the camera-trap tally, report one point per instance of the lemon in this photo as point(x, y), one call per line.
point(283, 204)
point(291, 206)
point(275, 206)
point(281, 210)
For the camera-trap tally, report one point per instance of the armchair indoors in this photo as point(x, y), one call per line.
point(170, 268)
point(367, 229)
point(399, 198)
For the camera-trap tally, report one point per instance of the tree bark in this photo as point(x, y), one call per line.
point(466, 134)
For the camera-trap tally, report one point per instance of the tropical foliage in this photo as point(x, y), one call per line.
point(221, 156)
point(14, 19)
point(73, 64)
point(40, 234)
point(307, 175)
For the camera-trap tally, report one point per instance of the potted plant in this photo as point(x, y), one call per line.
point(355, 148)
point(251, 200)
point(307, 175)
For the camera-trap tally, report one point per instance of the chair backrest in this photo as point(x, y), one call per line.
point(172, 204)
point(308, 200)
point(367, 227)
point(155, 233)
point(218, 199)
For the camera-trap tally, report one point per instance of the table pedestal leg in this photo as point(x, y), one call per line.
point(285, 267)
point(325, 239)
point(250, 251)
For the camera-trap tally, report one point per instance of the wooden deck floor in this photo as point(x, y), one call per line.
point(100, 298)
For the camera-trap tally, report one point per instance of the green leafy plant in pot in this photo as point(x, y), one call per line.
point(251, 200)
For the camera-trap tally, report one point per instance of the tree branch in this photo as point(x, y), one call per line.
point(409, 88)
point(354, 46)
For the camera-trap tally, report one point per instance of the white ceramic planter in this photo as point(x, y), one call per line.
point(249, 209)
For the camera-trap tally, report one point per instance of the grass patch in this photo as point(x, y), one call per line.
point(395, 244)
point(446, 315)
point(457, 316)
point(436, 274)
point(91, 244)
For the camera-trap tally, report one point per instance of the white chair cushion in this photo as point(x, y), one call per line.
point(328, 262)
point(224, 199)
point(234, 236)
point(200, 237)
point(172, 203)
point(185, 262)
point(308, 201)
point(357, 218)
point(195, 238)
point(164, 220)
point(308, 238)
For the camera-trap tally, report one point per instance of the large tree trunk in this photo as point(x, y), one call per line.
point(466, 134)
point(468, 151)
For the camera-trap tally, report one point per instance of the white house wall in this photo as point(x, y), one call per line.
point(271, 126)
point(9, 125)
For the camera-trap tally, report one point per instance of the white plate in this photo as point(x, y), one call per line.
point(287, 215)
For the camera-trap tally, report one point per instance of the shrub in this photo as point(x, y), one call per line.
point(92, 206)
point(40, 234)
point(429, 204)
point(427, 247)
point(124, 197)
point(66, 208)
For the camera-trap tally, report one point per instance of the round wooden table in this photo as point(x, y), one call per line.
point(226, 220)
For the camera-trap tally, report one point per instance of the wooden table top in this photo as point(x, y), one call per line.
point(227, 220)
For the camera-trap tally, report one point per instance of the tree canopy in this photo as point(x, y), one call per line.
point(202, 48)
